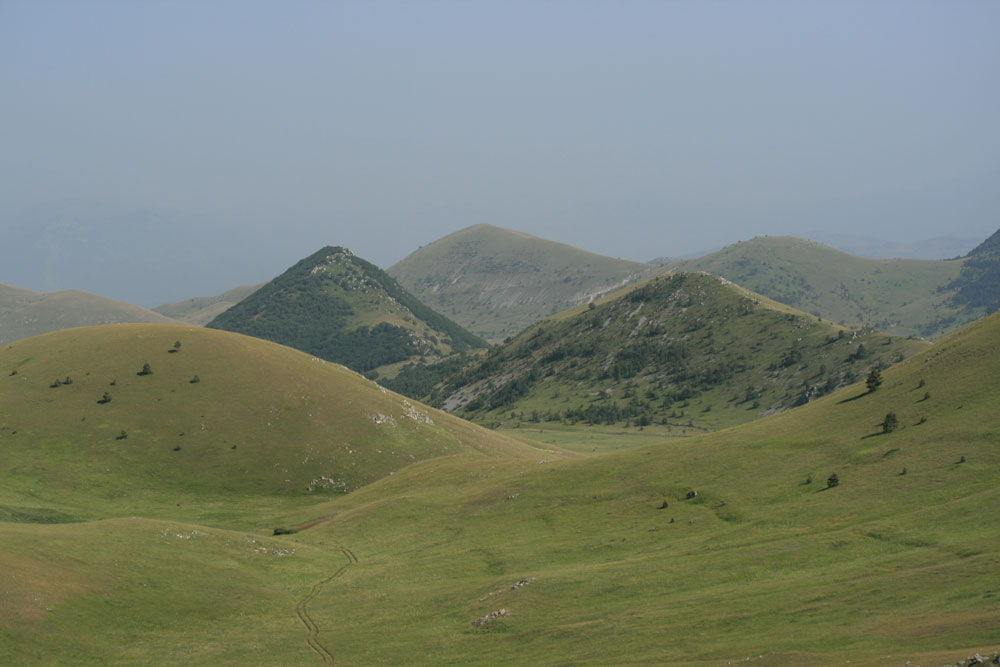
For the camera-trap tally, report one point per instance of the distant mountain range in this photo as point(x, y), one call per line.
point(941, 247)
point(495, 282)
point(25, 313)
point(201, 310)
point(901, 296)
point(342, 308)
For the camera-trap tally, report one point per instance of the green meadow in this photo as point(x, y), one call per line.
point(484, 547)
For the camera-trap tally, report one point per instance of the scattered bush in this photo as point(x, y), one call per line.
point(284, 531)
point(195, 380)
point(146, 370)
point(874, 380)
point(105, 399)
point(176, 347)
point(832, 481)
point(890, 423)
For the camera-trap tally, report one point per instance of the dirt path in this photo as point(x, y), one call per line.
point(315, 522)
point(313, 637)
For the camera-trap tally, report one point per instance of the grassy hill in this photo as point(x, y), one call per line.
point(689, 352)
point(896, 563)
point(496, 282)
point(589, 561)
point(900, 296)
point(201, 310)
point(341, 308)
point(25, 313)
point(221, 415)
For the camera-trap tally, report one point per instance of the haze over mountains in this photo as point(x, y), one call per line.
point(496, 281)
point(499, 281)
point(25, 313)
point(372, 434)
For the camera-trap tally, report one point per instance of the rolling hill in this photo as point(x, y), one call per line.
point(82, 425)
point(341, 308)
point(691, 351)
point(25, 313)
point(496, 282)
point(725, 548)
point(201, 310)
point(900, 296)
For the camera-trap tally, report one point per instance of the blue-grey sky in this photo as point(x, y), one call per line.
point(190, 146)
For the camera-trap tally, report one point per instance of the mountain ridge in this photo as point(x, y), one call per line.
point(497, 281)
point(687, 350)
point(899, 296)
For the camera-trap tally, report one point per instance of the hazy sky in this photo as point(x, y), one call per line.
point(237, 137)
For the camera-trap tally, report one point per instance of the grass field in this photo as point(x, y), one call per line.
point(579, 552)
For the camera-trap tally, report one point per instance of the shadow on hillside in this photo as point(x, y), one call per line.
point(854, 398)
point(873, 435)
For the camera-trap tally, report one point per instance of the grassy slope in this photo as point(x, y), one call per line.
point(495, 282)
point(881, 569)
point(202, 309)
point(739, 356)
point(25, 313)
point(264, 421)
point(899, 296)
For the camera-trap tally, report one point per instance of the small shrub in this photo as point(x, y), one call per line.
point(874, 380)
point(122, 435)
point(832, 481)
point(195, 380)
point(105, 399)
point(890, 423)
point(284, 531)
point(175, 348)
point(146, 370)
